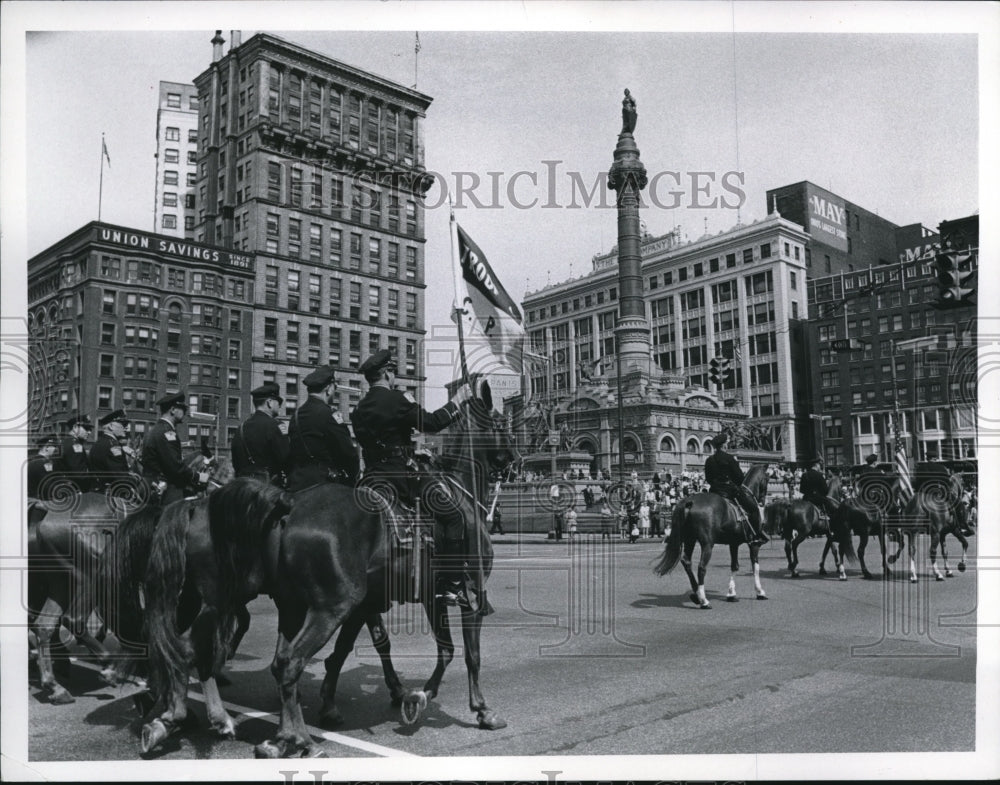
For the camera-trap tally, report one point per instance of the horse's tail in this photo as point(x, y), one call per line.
point(672, 549)
point(169, 652)
point(774, 516)
point(240, 515)
point(845, 538)
point(124, 571)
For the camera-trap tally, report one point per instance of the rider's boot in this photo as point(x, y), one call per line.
point(451, 575)
point(753, 513)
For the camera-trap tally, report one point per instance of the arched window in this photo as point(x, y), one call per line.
point(632, 444)
point(693, 446)
point(707, 447)
point(667, 443)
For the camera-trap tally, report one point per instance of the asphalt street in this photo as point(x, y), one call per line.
point(590, 653)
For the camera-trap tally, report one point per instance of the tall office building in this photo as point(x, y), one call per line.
point(318, 167)
point(176, 159)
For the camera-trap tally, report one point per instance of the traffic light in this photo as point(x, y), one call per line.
point(954, 270)
point(719, 370)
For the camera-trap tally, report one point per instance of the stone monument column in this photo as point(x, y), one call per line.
point(627, 178)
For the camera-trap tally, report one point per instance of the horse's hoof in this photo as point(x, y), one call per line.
point(152, 734)
point(949, 574)
point(961, 566)
point(331, 717)
point(936, 577)
point(490, 720)
point(913, 580)
point(841, 577)
point(61, 697)
point(225, 729)
point(733, 598)
point(413, 704)
point(109, 677)
point(267, 749)
point(794, 575)
point(763, 597)
point(822, 570)
point(706, 607)
point(694, 598)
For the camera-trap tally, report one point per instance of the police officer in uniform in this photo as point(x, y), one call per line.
point(40, 467)
point(74, 462)
point(161, 452)
point(725, 477)
point(384, 422)
point(109, 455)
point(320, 445)
point(815, 489)
point(259, 448)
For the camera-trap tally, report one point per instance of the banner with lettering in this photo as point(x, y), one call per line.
point(491, 321)
point(827, 217)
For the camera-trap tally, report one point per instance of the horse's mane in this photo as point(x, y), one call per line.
point(240, 514)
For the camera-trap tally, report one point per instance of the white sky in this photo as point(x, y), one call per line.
point(887, 120)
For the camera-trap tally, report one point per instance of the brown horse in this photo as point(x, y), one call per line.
point(798, 519)
point(492, 449)
point(706, 519)
point(74, 543)
point(935, 508)
point(863, 515)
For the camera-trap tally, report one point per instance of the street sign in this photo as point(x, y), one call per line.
point(844, 344)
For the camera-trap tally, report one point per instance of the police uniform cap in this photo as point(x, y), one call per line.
point(47, 438)
point(377, 362)
point(265, 391)
point(871, 458)
point(83, 421)
point(170, 400)
point(719, 439)
point(319, 378)
point(118, 415)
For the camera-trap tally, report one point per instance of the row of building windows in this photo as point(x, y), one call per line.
point(137, 271)
point(172, 177)
point(287, 341)
point(363, 302)
point(173, 134)
point(374, 255)
point(169, 221)
point(149, 338)
point(174, 101)
point(148, 306)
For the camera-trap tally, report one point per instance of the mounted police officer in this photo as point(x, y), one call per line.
point(725, 477)
point(162, 464)
point(320, 445)
point(259, 448)
point(384, 422)
point(74, 463)
point(109, 455)
point(816, 489)
point(41, 467)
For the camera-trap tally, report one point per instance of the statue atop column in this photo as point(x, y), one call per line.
point(628, 113)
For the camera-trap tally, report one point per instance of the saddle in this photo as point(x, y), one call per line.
point(740, 516)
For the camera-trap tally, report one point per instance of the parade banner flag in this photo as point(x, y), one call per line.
point(492, 325)
point(903, 469)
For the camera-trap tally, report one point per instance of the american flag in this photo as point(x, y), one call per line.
point(416, 43)
point(737, 354)
point(902, 467)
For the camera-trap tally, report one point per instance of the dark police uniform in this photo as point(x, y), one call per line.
point(161, 454)
point(259, 448)
point(320, 445)
point(73, 462)
point(39, 468)
point(870, 467)
point(725, 477)
point(815, 489)
point(384, 422)
point(108, 462)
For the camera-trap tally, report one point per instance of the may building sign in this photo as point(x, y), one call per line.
point(827, 217)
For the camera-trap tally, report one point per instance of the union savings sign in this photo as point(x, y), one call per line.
point(141, 241)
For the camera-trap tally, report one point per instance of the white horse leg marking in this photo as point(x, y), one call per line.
point(732, 585)
point(756, 581)
point(702, 599)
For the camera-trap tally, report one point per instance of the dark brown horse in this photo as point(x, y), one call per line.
point(74, 543)
point(937, 509)
point(331, 564)
point(706, 519)
point(863, 515)
point(798, 519)
point(491, 442)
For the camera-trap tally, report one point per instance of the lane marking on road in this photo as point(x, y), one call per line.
point(268, 716)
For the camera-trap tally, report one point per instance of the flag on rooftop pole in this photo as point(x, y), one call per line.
point(416, 42)
point(491, 321)
point(104, 150)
